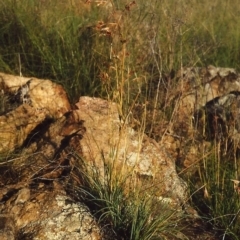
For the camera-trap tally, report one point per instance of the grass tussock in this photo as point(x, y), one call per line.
point(124, 210)
point(218, 198)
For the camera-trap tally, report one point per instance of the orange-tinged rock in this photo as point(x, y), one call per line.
point(34, 101)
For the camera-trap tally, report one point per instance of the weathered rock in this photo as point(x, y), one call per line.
point(183, 137)
point(40, 94)
point(206, 108)
point(219, 120)
point(48, 132)
point(7, 228)
point(17, 125)
point(37, 119)
point(35, 100)
point(108, 139)
point(197, 86)
point(45, 213)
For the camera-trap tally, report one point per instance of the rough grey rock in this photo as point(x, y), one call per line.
point(46, 214)
point(197, 86)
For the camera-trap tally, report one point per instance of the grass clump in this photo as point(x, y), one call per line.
point(124, 211)
point(218, 200)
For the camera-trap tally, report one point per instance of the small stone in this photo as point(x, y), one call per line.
point(23, 196)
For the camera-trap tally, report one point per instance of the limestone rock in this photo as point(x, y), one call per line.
point(48, 132)
point(197, 86)
point(35, 100)
point(109, 139)
point(44, 213)
point(40, 94)
point(37, 119)
point(209, 92)
point(219, 120)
